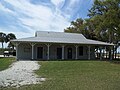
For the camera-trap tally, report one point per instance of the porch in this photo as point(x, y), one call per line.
point(46, 51)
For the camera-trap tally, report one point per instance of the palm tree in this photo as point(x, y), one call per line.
point(2, 38)
point(9, 37)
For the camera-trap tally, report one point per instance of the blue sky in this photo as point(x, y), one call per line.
point(24, 17)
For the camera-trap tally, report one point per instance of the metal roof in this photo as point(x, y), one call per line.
point(60, 37)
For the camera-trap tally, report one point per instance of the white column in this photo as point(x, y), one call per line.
point(89, 52)
point(76, 55)
point(32, 50)
point(63, 52)
point(48, 51)
point(32, 44)
point(17, 50)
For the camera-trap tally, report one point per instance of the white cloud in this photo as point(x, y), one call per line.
point(18, 34)
point(41, 17)
point(58, 3)
point(6, 9)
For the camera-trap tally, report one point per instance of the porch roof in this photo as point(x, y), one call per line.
point(62, 38)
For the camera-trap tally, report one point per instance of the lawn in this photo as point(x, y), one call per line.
point(5, 62)
point(77, 75)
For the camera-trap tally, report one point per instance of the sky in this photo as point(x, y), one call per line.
point(24, 17)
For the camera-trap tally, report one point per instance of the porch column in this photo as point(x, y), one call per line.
point(89, 52)
point(76, 55)
point(63, 52)
point(17, 44)
point(48, 51)
point(32, 44)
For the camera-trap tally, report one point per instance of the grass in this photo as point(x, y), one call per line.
point(77, 75)
point(5, 62)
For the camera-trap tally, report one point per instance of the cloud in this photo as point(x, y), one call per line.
point(28, 16)
point(39, 17)
point(58, 3)
point(17, 33)
point(5, 9)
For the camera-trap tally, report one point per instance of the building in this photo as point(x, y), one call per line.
point(56, 45)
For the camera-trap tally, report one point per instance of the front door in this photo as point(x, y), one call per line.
point(39, 52)
point(69, 53)
point(59, 53)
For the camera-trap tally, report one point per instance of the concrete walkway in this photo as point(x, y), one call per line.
point(20, 73)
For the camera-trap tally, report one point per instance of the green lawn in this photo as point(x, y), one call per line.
point(5, 62)
point(77, 75)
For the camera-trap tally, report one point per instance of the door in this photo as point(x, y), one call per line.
point(69, 53)
point(59, 53)
point(39, 52)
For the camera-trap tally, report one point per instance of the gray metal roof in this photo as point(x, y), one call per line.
point(60, 37)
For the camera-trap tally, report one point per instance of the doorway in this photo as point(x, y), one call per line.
point(59, 53)
point(69, 53)
point(39, 52)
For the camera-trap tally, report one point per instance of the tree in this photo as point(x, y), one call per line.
point(6, 38)
point(103, 23)
point(9, 37)
point(2, 38)
point(75, 26)
point(84, 27)
point(107, 12)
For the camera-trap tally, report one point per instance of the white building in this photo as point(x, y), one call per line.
point(56, 45)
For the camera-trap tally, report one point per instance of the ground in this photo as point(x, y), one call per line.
point(5, 62)
point(76, 75)
point(80, 75)
point(20, 73)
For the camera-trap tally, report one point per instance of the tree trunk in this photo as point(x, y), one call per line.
point(113, 52)
point(109, 54)
point(2, 45)
point(103, 53)
point(13, 47)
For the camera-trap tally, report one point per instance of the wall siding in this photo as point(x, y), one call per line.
point(23, 53)
point(53, 51)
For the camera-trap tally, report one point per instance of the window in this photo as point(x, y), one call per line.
point(80, 50)
point(26, 49)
